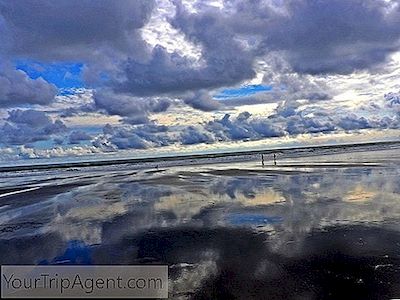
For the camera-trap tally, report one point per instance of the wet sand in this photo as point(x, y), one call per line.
point(321, 227)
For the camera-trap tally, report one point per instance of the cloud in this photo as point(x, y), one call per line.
point(77, 136)
point(123, 137)
point(98, 35)
point(354, 35)
point(171, 73)
point(106, 36)
point(393, 99)
point(202, 100)
point(195, 135)
point(29, 126)
point(289, 119)
point(75, 30)
point(352, 122)
point(134, 109)
point(17, 88)
point(23, 152)
point(319, 37)
point(393, 102)
point(31, 118)
point(300, 119)
point(298, 48)
point(243, 127)
point(224, 61)
point(289, 85)
point(129, 142)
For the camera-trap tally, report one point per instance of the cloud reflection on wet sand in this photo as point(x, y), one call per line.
point(318, 233)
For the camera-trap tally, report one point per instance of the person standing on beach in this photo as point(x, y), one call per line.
point(274, 159)
point(262, 159)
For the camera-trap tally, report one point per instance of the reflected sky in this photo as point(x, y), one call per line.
point(309, 228)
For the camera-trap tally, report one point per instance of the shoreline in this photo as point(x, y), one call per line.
point(299, 150)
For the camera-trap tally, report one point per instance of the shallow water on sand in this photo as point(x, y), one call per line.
point(321, 227)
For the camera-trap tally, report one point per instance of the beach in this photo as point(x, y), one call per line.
point(227, 228)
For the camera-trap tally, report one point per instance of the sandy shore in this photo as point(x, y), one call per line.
point(305, 228)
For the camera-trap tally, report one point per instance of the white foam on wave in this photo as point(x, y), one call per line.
point(18, 192)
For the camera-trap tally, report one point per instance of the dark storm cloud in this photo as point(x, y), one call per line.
point(317, 37)
point(96, 33)
point(338, 36)
point(73, 30)
point(171, 73)
point(104, 35)
point(310, 37)
point(226, 61)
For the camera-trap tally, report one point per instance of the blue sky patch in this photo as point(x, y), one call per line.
point(63, 75)
point(252, 219)
point(243, 91)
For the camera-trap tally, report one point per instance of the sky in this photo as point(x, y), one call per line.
point(110, 78)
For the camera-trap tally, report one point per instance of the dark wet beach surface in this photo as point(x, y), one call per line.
point(325, 227)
